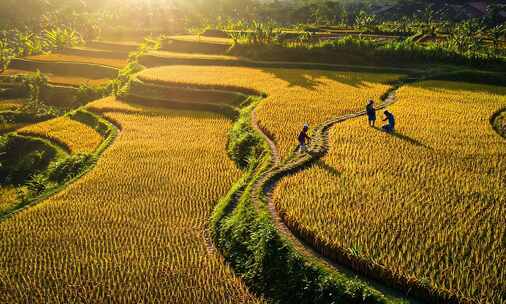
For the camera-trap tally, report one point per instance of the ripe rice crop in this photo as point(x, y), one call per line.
point(55, 57)
point(111, 104)
point(70, 80)
point(426, 202)
point(177, 55)
point(133, 229)
point(75, 136)
point(11, 104)
point(75, 80)
point(294, 96)
point(8, 196)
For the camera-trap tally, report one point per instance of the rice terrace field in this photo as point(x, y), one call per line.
point(222, 152)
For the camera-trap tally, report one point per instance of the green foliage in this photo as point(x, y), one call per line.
point(22, 158)
point(37, 184)
point(498, 121)
point(365, 21)
point(254, 33)
point(244, 143)
point(61, 38)
point(496, 34)
point(35, 83)
point(68, 168)
point(6, 55)
point(349, 42)
point(466, 38)
point(19, 43)
point(87, 93)
point(121, 85)
point(93, 121)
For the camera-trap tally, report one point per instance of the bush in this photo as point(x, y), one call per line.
point(23, 157)
point(70, 167)
point(244, 143)
point(26, 165)
point(37, 184)
point(92, 121)
point(87, 93)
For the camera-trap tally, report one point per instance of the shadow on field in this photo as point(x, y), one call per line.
point(406, 138)
point(311, 79)
point(331, 170)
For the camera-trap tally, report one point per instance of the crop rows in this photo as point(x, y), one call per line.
point(294, 96)
point(55, 57)
point(75, 136)
point(68, 80)
point(177, 55)
point(8, 196)
point(133, 229)
point(427, 202)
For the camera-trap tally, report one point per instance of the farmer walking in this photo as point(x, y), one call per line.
point(390, 127)
point(302, 139)
point(371, 113)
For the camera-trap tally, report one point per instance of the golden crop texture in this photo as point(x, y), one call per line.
point(294, 96)
point(8, 197)
point(428, 201)
point(178, 55)
point(11, 104)
point(75, 136)
point(58, 79)
point(133, 229)
point(56, 57)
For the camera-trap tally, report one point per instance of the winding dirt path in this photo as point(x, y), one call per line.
point(317, 149)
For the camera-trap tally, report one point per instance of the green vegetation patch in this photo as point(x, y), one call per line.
point(21, 157)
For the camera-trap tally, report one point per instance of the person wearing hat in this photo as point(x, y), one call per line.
point(371, 113)
point(302, 139)
point(390, 127)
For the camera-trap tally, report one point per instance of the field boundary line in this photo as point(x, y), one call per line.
point(104, 145)
point(495, 126)
point(149, 58)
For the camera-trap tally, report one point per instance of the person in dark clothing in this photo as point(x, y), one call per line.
point(302, 139)
point(390, 127)
point(371, 113)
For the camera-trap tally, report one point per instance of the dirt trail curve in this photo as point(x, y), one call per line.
point(317, 149)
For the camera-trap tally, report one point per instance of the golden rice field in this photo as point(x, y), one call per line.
point(75, 136)
point(178, 55)
point(58, 79)
point(294, 96)
point(111, 104)
point(133, 229)
point(8, 197)
point(55, 57)
point(11, 104)
point(428, 202)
